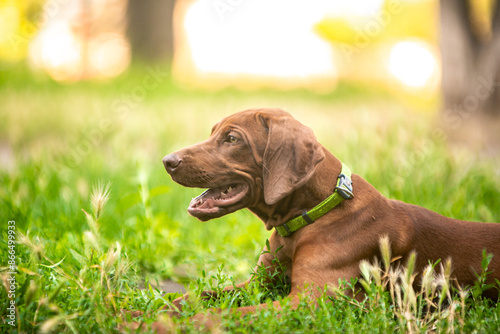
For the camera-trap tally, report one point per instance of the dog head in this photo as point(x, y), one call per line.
point(254, 156)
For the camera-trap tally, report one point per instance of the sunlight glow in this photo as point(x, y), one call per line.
point(68, 50)
point(109, 54)
point(57, 50)
point(413, 63)
point(244, 46)
point(263, 42)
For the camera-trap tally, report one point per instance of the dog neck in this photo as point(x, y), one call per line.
point(321, 185)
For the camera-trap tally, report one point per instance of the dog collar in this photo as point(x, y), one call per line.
point(343, 190)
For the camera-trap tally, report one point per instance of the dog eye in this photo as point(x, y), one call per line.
point(232, 139)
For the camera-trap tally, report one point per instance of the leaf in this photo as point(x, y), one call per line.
point(82, 260)
point(27, 271)
point(160, 190)
point(129, 201)
point(53, 265)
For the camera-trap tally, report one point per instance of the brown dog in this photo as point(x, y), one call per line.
point(268, 162)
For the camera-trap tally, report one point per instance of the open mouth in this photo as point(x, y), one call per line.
point(218, 201)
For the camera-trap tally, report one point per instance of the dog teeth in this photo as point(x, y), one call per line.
point(227, 191)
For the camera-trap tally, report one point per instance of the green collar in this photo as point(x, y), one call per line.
point(342, 191)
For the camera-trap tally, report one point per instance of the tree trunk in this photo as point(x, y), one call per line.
point(471, 66)
point(493, 63)
point(150, 29)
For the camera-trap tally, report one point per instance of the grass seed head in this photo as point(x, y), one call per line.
point(99, 198)
point(112, 256)
point(49, 325)
point(364, 267)
point(31, 292)
point(427, 278)
point(385, 250)
point(90, 239)
point(36, 247)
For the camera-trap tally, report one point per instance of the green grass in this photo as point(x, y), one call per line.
point(78, 270)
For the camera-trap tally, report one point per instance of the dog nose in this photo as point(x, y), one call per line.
point(171, 162)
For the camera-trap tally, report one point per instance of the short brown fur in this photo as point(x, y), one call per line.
point(288, 172)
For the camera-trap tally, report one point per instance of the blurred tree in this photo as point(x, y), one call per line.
point(150, 29)
point(363, 40)
point(396, 20)
point(470, 50)
point(19, 22)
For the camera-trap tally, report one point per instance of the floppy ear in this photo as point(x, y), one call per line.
point(291, 155)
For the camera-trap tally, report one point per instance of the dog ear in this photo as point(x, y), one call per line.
point(290, 157)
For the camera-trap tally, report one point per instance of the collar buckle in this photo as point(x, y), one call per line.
point(344, 187)
point(343, 190)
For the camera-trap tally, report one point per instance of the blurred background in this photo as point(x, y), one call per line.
point(425, 48)
point(430, 52)
point(407, 92)
point(277, 44)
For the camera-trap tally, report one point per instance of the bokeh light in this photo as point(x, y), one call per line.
point(239, 45)
point(78, 42)
point(236, 43)
point(57, 50)
point(276, 44)
point(231, 46)
point(413, 63)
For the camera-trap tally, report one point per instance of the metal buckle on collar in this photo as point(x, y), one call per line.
point(287, 229)
point(345, 187)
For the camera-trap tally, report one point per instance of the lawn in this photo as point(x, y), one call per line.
point(80, 264)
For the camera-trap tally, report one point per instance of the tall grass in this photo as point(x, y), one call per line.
point(63, 145)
